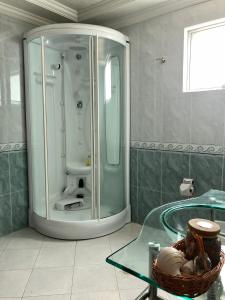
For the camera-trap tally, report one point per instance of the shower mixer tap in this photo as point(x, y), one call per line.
point(56, 67)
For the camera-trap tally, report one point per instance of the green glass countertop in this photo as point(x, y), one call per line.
point(166, 225)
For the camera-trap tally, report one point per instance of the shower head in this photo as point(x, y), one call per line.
point(78, 49)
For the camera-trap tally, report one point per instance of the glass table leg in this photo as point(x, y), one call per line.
point(216, 290)
point(144, 295)
point(150, 293)
point(153, 293)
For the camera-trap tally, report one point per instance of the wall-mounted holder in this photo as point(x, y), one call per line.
point(187, 187)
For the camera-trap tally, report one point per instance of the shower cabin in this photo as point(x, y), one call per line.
point(77, 109)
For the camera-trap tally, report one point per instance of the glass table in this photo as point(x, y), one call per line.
point(166, 225)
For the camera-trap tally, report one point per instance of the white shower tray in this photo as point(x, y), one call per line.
point(78, 169)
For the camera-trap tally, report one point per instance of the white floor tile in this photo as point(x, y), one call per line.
point(94, 278)
point(123, 236)
point(50, 242)
point(4, 242)
point(130, 294)
point(130, 230)
point(55, 257)
point(116, 244)
point(13, 283)
point(166, 296)
point(10, 298)
point(92, 255)
point(25, 239)
point(49, 281)
point(93, 242)
point(52, 297)
point(111, 295)
point(127, 281)
point(18, 259)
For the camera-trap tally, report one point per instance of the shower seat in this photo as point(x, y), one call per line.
point(164, 226)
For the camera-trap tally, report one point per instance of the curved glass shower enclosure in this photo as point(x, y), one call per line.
point(77, 103)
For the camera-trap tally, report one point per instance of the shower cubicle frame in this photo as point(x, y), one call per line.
point(96, 226)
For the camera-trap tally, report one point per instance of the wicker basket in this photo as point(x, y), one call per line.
point(187, 285)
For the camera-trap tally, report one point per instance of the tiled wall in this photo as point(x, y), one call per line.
point(13, 164)
point(13, 191)
point(156, 176)
point(160, 111)
point(162, 114)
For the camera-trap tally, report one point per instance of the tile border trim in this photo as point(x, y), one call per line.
point(192, 148)
point(12, 147)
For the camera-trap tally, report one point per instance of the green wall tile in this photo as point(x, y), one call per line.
point(134, 204)
point(5, 215)
point(19, 210)
point(171, 197)
point(18, 171)
point(206, 170)
point(175, 167)
point(13, 191)
point(161, 173)
point(4, 174)
point(149, 170)
point(133, 167)
point(147, 200)
point(223, 186)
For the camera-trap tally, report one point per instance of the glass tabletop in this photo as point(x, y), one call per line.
point(166, 225)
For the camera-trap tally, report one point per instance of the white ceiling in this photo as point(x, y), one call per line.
point(114, 13)
point(79, 4)
point(108, 10)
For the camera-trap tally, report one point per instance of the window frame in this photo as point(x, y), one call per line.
point(188, 32)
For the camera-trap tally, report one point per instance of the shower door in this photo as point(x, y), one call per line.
point(35, 128)
point(69, 126)
point(112, 127)
point(61, 143)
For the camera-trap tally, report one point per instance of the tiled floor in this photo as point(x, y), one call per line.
point(35, 267)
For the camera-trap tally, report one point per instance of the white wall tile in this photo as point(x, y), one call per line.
point(160, 111)
point(176, 119)
point(207, 126)
point(12, 119)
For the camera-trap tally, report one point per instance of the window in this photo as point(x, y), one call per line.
point(15, 88)
point(204, 56)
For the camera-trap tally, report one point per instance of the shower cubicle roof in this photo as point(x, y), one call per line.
point(77, 28)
